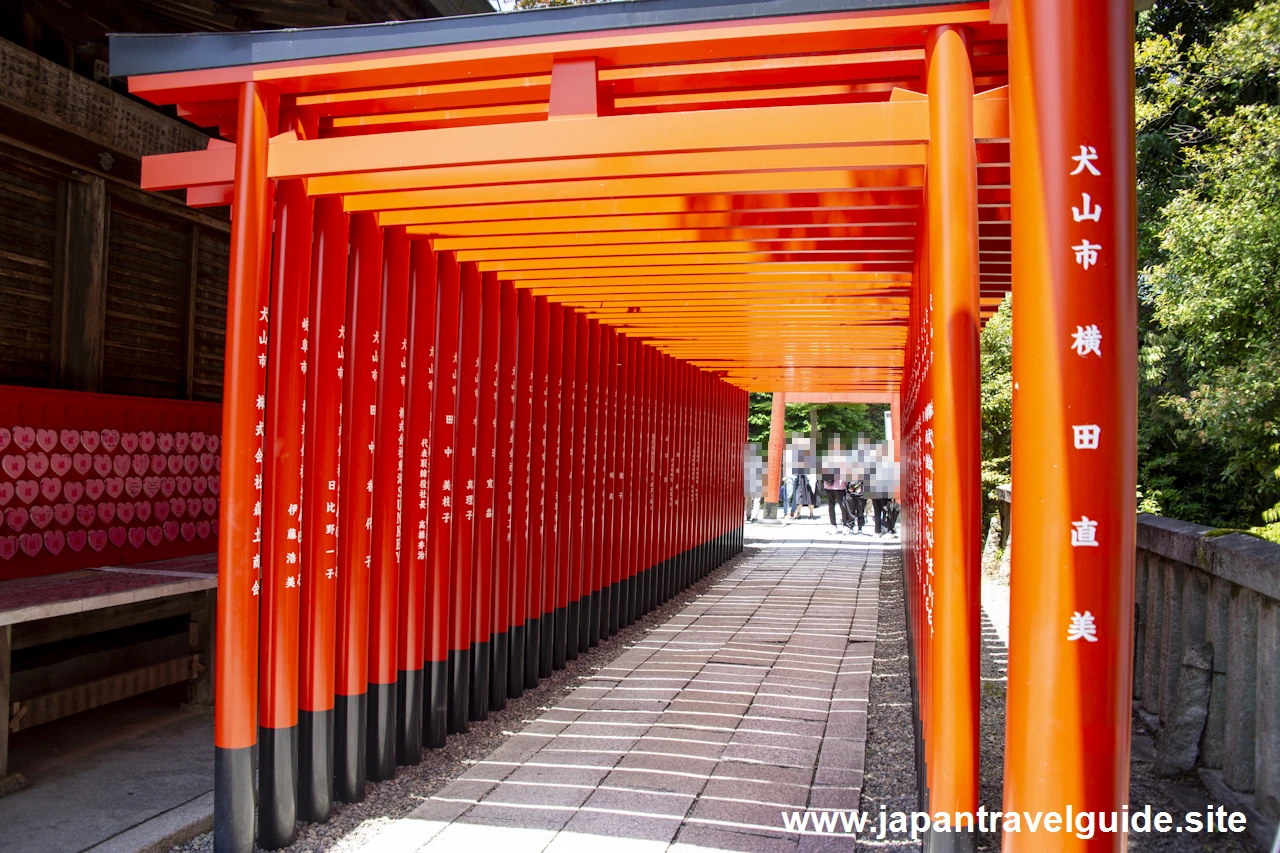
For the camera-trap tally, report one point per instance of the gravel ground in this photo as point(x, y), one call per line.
point(354, 824)
point(890, 778)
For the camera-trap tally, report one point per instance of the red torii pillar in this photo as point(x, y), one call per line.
point(440, 528)
point(360, 359)
point(416, 503)
point(236, 686)
point(327, 318)
point(777, 445)
point(281, 511)
point(390, 374)
point(1074, 414)
point(952, 275)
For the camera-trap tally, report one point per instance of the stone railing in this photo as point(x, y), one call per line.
point(1207, 656)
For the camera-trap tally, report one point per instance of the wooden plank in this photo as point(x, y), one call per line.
point(73, 700)
point(49, 669)
point(6, 642)
point(202, 623)
point(83, 286)
point(53, 629)
point(147, 289)
point(29, 203)
point(193, 283)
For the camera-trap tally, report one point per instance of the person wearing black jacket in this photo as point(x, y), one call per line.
point(855, 505)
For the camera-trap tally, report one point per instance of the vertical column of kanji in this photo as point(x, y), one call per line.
point(359, 358)
point(1074, 374)
point(566, 465)
point(637, 508)
point(587, 495)
point(651, 464)
point(440, 527)
point(919, 553)
point(667, 449)
point(599, 467)
point(602, 568)
point(583, 508)
point(281, 519)
point(691, 440)
point(236, 687)
point(551, 490)
point(626, 487)
point(504, 498)
point(723, 477)
point(705, 395)
point(389, 374)
point(676, 469)
point(486, 477)
point(610, 572)
point(534, 630)
point(679, 474)
point(522, 489)
point(659, 495)
point(644, 479)
point(466, 420)
point(326, 316)
point(416, 502)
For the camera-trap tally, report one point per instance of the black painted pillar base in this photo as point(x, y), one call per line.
point(515, 662)
point(576, 620)
point(409, 716)
point(610, 626)
point(479, 706)
point(459, 690)
point(435, 718)
point(626, 602)
point(532, 652)
point(233, 804)
point(349, 713)
point(592, 605)
point(958, 841)
point(501, 665)
point(381, 747)
point(560, 638)
point(277, 787)
point(546, 644)
point(315, 766)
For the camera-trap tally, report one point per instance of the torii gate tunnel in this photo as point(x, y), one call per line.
point(518, 273)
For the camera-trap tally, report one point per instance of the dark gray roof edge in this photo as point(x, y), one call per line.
point(139, 54)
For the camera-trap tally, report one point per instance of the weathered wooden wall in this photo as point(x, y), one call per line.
point(102, 287)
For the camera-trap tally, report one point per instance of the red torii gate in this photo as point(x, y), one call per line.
point(545, 255)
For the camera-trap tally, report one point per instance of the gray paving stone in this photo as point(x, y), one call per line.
point(750, 701)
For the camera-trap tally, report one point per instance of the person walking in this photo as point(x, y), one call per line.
point(855, 505)
point(802, 495)
point(879, 500)
point(834, 492)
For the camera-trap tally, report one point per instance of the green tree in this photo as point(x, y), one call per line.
point(1209, 198)
point(997, 403)
point(846, 419)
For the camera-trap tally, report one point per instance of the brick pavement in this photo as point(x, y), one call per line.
point(749, 701)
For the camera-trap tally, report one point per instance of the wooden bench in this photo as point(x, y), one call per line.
point(77, 640)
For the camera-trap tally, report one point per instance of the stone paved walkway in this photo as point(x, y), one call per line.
point(750, 701)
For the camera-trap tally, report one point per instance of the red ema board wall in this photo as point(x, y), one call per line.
point(92, 480)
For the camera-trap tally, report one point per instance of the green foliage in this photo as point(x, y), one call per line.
point(846, 419)
point(997, 403)
point(1209, 204)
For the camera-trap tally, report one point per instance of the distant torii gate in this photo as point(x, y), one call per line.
point(546, 255)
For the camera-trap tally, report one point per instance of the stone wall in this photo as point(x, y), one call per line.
point(1207, 654)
